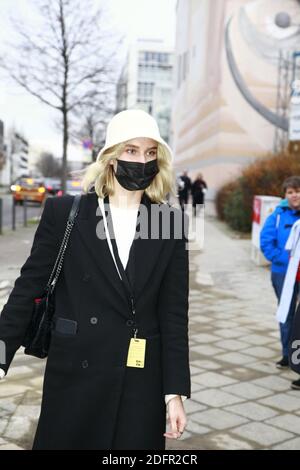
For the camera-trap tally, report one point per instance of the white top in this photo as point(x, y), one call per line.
point(124, 223)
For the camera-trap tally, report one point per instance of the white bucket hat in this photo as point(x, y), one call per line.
point(130, 124)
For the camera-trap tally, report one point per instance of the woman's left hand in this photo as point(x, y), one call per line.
point(177, 418)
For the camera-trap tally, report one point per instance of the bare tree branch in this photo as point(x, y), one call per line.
point(68, 62)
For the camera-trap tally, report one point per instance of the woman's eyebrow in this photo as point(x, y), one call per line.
point(137, 147)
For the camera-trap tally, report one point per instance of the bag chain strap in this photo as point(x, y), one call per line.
point(60, 257)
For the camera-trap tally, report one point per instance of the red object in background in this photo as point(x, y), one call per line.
point(256, 210)
point(37, 300)
point(298, 274)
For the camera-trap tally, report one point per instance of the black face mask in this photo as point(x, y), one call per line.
point(135, 175)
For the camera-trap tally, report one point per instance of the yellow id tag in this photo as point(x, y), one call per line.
point(136, 353)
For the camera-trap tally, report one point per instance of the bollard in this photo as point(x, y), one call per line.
point(1, 214)
point(25, 211)
point(14, 214)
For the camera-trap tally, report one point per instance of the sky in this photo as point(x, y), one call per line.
point(132, 18)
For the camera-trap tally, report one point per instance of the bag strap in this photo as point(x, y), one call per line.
point(60, 257)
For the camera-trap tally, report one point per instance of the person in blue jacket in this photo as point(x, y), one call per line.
point(273, 238)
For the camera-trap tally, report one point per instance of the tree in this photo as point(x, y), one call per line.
point(66, 61)
point(48, 165)
point(91, 125)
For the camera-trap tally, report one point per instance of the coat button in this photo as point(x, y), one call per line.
point(129, 322)
point(86, 277)
point(85, 364)
point(94, 320)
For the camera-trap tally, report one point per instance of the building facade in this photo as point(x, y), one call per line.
point(146, 81)
point(228, 105)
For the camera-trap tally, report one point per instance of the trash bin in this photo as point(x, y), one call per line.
point(263, 206)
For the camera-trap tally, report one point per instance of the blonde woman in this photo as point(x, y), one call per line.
point(118, 362)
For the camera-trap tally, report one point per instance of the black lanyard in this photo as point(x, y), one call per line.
point(124, 277)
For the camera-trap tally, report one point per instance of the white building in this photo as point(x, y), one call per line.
point(146, 81)
point(17, 159)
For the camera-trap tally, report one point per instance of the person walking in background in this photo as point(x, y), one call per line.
point(184, 188)
point(198, 191)
point(273, 238)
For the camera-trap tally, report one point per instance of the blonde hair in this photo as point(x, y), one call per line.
point(100, 175)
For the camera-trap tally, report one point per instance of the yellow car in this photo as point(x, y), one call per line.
point(31, 188)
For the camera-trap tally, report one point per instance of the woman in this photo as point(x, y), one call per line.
point(108, 379)
point(199, 188)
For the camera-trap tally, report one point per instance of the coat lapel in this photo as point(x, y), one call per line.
point(146, 253)
point(146, 250)
point(87, 221)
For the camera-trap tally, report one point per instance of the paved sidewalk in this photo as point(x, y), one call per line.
point(239, 399)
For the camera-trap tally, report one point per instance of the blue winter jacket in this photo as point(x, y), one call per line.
point(275, 233)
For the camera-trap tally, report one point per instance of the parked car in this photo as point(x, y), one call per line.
point(30, 188)
point(52, 185)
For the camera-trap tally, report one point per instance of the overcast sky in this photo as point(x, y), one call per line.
point(134, 18)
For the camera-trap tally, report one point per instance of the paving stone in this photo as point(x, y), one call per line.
point(261, 433)
point(264, 366)
point(196, 428)
point(236, 358)
point(247, 390)
point(206, 338)
point(208, 350)
point(3, 424)
point(9, 389)
point(216, 398)
point(225, 333)
point(293, 444)
point(19, 370)
point(196, 387)
point(287, 422)
point(202, 319)
point(282, 401)
point(257, 340)
point(206, 364)
point(18, 427)
point(231, 344)
point(192, 406)
point(219, 419)
point(273, 382)
point(259, 351)
point(252, 411)
point(10, 447)
point(212, 379)
point(28, 411)
point(226, 442)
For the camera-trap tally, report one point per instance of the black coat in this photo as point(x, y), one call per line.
point(197, 191)
point(91, 400)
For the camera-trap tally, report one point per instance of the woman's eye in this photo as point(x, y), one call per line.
point(131, 151)
point(152, 153)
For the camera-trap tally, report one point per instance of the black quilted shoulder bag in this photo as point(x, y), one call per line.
point(38, 334)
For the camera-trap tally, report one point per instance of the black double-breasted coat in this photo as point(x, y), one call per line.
point(91, 400)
